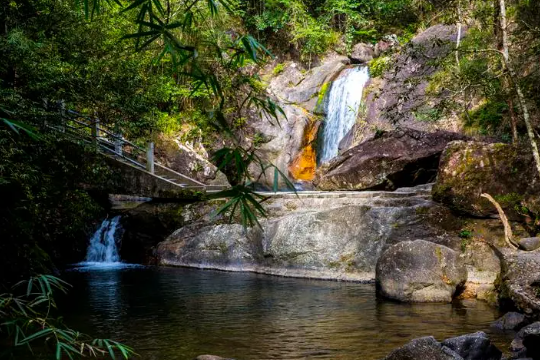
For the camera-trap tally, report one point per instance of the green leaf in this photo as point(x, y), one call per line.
point(37, 335)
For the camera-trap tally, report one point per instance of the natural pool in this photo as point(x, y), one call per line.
point(175, 313)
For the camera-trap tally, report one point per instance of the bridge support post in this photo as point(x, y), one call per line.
point(150, 158)
point(95, 131)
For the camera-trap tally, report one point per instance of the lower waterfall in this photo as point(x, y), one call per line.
point(103, 244)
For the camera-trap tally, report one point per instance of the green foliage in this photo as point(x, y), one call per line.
point(45, 214)
point(235, 163)
point(379, 65)
point(466, 237)
point(427, 114)
point(29, 322)
point(278, 69)
point(488, 117)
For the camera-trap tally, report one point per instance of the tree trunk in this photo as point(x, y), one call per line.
point(513, 120)
point(521, 97)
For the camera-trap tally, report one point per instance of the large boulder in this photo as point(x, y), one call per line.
point(423, 348)
point(506, 172)
point(420, 271)
point(475, 346)
point(392, 159)
point(362, 53)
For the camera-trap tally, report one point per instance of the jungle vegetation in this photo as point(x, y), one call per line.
point(148, 67)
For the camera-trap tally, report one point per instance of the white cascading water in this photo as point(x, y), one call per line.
point(343, 104)
point(102, 248)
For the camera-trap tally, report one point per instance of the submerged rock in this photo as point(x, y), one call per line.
point(510, 321)
point(392, 159)
point(423, 348)
point(475, 346)
point(507, 173)
point(420, 271)
point(211, 357)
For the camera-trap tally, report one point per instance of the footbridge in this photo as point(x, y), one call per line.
point(136, 171)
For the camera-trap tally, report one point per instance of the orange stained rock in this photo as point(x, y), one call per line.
point(304, 165)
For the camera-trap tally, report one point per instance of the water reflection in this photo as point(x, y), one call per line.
point(180, 313)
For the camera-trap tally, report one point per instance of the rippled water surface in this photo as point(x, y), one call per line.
point(176, 314)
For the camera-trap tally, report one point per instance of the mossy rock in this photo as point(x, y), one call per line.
point(506, 172)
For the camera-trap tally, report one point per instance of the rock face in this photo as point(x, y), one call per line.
point(399, 94)
point(420, 271)
point(521, 280)
point(318, 236)
point(510, 321)
point(475, 346)
point(423, 348)
point(145, 226)
point(507, 173)
point(188, 159)
point(527, 342)
point(362, 54)
point(393, 159)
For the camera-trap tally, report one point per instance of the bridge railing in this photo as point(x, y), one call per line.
point(115, 145)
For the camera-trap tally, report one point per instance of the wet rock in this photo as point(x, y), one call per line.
point(423, 348)
point(475, 346)
point(420, 271)
point(529, 244)
point(362, 54)
point(393, 159)
point(468, 169)
point(527, 342)
point(510, 321)
point(211, 357)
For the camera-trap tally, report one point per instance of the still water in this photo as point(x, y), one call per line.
point(177, 314)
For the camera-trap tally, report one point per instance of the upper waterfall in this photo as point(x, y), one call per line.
point(344, 102)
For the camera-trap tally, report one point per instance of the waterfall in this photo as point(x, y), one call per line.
point(343, 104)
point(102, 248)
